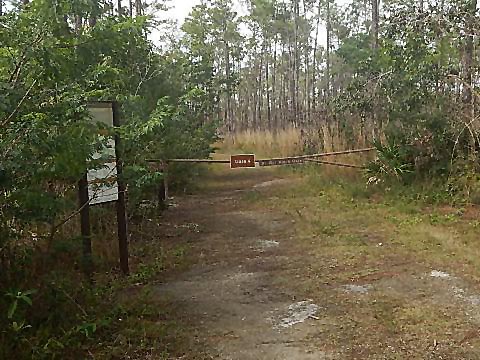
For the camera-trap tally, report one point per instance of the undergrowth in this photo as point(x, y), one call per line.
point(55, 312)
point(356, 185)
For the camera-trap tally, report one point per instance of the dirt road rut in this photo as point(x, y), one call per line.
point(230, 294)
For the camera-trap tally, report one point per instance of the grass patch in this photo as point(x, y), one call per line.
point(359, 226)
point(142, 325)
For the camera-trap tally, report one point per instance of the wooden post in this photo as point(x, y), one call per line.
point(121, 204)
point(85, 225)
point(161, 193)
point(165, 182)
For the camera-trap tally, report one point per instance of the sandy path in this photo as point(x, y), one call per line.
point(229, 293)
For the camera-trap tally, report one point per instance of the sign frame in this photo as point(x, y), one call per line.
point(103, 183)
point(85, 201)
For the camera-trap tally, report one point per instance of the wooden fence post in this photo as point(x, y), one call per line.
point(121, 203)
point(85, 225)
point(165, 181)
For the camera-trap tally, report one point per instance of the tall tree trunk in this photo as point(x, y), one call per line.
point(296, 61)
point(291, 75)
point(469, 60)
point(92, 19)
point(267, 84)
point(229, 87)
point(228, 110)
point(306, 97)
point(469, 52)
point(260, 90)
point(78, 23)
point(314, 65)
point(285, 71)
point(375, 22)
point(329, 44)
point(138, 7)
point(274, 85)
point(255, 85)
point(377, 125)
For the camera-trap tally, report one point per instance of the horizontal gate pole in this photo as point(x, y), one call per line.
point(208, 161)
point(292, 159)
point(335, 164)
point(320, 155)
point(300, 159)
point(353, 151)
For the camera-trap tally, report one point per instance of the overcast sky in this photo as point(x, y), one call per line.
point(180, 9)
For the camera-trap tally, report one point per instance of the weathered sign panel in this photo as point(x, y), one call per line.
point(284, 161)
point(242, 161)
point(102, 182)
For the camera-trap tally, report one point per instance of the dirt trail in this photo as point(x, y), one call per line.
point(229, 293)
point(259, 289)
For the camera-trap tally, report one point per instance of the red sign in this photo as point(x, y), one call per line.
point(242, 161)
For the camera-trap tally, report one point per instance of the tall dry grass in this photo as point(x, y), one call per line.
point(293, 141)
point(265, 143)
